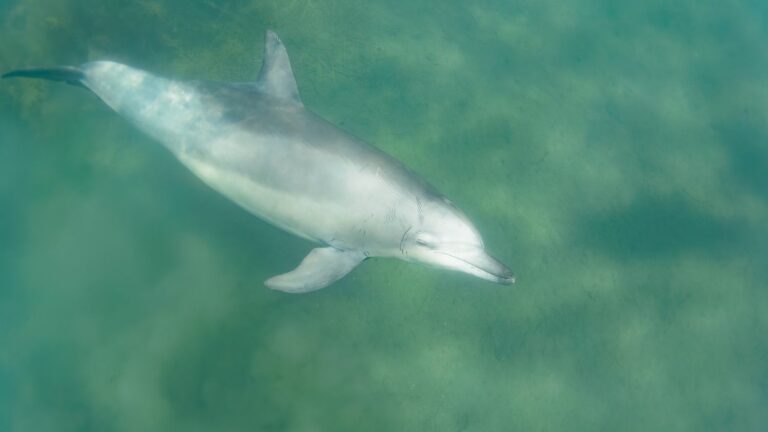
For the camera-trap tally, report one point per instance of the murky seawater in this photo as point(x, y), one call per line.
point(615, 154)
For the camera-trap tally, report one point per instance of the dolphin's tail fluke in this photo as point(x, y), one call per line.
point(67, 74)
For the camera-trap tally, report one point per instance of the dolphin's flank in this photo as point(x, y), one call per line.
point(259, 146)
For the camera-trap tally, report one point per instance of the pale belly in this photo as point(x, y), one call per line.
point(360, 215)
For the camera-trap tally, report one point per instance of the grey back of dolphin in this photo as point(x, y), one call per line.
point(258, 145)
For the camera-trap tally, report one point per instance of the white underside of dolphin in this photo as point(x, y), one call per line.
point(259, 146)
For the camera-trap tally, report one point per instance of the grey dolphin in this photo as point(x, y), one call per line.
point(259, 146)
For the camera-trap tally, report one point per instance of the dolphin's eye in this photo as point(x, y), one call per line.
point(423, 241)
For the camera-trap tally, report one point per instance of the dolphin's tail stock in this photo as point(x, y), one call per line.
point(67, 74)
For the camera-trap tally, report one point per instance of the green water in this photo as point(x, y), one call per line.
point(614, 154)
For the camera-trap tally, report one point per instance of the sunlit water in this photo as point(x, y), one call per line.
point(614, 154)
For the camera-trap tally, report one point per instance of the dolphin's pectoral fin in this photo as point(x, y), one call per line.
point(276, 75)
point(320, 268)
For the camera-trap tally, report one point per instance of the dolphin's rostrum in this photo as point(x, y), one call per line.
point(256, 144)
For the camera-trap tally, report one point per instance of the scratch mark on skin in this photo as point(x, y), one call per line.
point(402, 240)
point(391, 215)
point(419, 210)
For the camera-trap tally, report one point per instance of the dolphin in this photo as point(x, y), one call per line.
point(256, 143)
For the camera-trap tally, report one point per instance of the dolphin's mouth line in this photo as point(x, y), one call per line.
point(507, 279)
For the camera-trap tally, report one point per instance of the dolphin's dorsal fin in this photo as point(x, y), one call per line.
point(276, 77)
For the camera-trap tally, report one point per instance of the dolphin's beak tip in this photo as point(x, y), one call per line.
point(509, 280)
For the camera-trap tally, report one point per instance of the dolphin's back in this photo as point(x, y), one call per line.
point(159, 106)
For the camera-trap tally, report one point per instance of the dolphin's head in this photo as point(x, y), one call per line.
point(446, 238)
